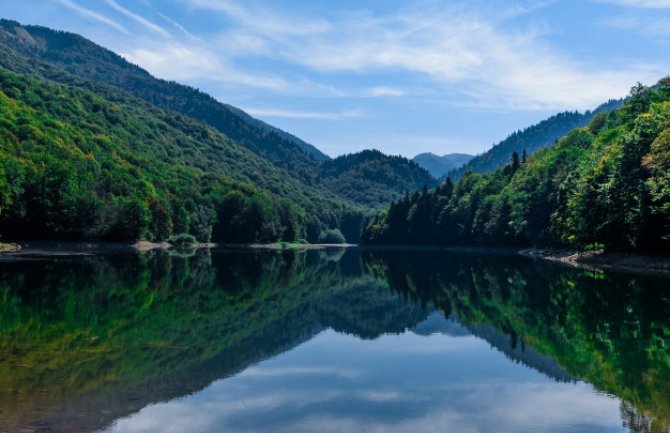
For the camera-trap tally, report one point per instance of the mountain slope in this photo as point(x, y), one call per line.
point(535, 137)
point(438, 166)
point(606, 185)
point(372, 178)
point(81, 57)
point(48, 51)
point(81, 165)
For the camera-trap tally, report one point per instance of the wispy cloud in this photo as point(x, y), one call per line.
point(178, 26)
point(381, 91)
point(263, 20)
point(455, 47)
point(291, 114)
point(93, 15)
point(138, 19)
point(646, 4)
point(653, 26)
point(189, 62)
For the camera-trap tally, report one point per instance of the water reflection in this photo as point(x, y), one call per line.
point(329, 340)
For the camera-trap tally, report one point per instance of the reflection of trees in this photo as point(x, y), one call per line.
point(122, 331)
point(608, 329)
point(639, 422)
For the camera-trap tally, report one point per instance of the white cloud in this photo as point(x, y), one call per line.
point(655, 27)
point(264, 21)
point(93, 15)
point(138, 19)
point(646, 4)
point(180, 27)
point(471, 56)
point(457, 49)
point(191, 62)
point(381, 91)
point(291, 114)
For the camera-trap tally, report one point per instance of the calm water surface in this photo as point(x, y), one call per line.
point(329, 341)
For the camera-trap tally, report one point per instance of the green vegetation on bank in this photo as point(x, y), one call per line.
point(603, 185)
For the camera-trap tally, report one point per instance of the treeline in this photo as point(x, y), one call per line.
point(75, 166)
point(605, 185)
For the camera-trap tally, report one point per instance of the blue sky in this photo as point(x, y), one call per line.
point(401, 76)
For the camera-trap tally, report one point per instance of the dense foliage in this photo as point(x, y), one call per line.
point(439, 166)
point(327, 202)
point(81, 57)
point(76, 166)
point(603, 185)
point(372, 178)
point(535, 137)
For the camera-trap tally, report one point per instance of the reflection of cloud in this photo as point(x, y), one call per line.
point(337, 383)
point(258, 371)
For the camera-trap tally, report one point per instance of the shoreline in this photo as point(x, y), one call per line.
point(591, 260)
point(600, 260)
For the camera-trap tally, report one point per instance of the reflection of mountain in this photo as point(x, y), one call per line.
point(518, 351)
point(513, 348)
point(121, 332)
point(90, 339)
point(610, 330)
point(436, 323)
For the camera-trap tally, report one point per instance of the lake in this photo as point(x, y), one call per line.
point(337, 340)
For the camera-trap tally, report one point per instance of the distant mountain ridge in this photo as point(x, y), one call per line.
point(373, 178)
point(530, 139)
point(438, 166)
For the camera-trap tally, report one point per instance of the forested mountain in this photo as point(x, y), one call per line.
point(79, 165)
point(62, 57)
point(372, 178)
point(535, 137)
point(83, 58)
point(605, 185)
point(438, 166)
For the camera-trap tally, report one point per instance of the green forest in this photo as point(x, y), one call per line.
point(94, 148)
point(75, 166)
point(602, 186)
